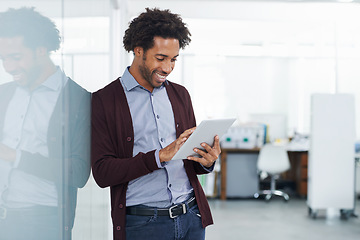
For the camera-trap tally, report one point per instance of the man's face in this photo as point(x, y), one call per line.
point(158, 62)
point(19, 61)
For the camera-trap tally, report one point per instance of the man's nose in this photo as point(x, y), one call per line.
point(167, 66)
point(9, 66)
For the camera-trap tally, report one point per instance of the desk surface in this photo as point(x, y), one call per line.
point(239, 150)
point(244, 150)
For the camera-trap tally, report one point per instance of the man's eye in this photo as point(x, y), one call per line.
point(160, 59)
point(174, 59)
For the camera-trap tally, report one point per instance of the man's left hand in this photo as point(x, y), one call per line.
point(209, 156)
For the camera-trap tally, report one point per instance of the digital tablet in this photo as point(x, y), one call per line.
point(205, 132)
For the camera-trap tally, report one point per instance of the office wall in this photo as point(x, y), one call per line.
point(272, 64)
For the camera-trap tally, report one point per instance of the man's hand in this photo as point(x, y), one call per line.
point(167, 153)
point(209, 156)
point(7, 154)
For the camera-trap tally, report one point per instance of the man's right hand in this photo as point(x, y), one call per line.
point(7, 154)
point(167, 153)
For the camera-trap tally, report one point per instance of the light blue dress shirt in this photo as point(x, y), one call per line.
point(25, 129)
point(154, 128)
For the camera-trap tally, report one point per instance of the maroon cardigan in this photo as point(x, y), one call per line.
point(112, 148)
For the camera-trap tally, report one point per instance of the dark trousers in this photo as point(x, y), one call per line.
point(184, 227)
point(38, 223)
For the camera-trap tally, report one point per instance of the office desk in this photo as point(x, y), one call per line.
point(297, 172)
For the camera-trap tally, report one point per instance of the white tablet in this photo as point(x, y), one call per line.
point(205, 132)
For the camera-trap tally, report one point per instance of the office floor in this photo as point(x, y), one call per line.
point(240, 219)
point(252, 219)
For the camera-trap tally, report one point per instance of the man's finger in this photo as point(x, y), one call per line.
point(217, 143)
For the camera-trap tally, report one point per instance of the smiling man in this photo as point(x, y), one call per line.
point(139, 122)
point(44, 132)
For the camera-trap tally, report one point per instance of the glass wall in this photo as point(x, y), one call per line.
point(47, 76)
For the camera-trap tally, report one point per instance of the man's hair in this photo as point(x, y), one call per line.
point(155, 23)
point(36, 29)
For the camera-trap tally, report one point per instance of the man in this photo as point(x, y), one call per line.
point(44, 132)
point(139, 122)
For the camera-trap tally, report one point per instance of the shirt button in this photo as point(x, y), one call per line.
point(118, 228)
point(121, 206)
point(170, 185)
point(162, 139)
point(157, 116)
point(128, 139)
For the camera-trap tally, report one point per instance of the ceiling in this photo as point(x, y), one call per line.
point(216, 9)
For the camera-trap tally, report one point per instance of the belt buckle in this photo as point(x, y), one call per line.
point(2, 213)
point(183, 206)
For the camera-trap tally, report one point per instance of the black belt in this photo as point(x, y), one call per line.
point(172, 212)
point(5, 212)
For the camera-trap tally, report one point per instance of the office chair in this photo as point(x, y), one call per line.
point(273, 160)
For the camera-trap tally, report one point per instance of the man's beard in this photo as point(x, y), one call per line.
point(145, 72)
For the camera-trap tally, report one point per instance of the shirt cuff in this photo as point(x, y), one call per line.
point(157, 158)
point(209, 169)
point(17, 160)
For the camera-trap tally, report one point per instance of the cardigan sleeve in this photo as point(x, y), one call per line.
point(112, 145)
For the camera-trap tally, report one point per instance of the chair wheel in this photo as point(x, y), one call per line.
point(312, 213)
point(345, 214)
point(268, 197)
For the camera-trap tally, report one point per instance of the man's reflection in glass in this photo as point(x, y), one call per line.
point(44, 132)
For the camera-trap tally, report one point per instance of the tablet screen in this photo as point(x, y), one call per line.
point(205, 132)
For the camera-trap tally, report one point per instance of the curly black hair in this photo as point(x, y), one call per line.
point(36, 29)
point(155, 23)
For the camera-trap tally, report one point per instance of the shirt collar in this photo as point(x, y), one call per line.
point(130, 82)
point(56, 80)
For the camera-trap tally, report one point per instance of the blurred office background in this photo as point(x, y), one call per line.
point(245, 58)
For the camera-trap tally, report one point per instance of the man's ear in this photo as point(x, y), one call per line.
point(41, 51)
point(138, 51)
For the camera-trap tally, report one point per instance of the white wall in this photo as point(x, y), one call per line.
point(278, 51)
